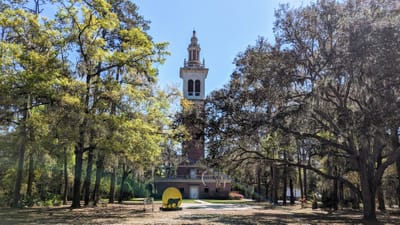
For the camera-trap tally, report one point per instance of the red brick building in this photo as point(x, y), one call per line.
point(192, 177)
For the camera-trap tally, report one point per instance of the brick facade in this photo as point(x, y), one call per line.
point(208, 191)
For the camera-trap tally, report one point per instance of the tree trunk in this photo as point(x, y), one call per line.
point(299, 170)
point(396, 144)
point(21, 158)
point(258, 183)
point(284, 177)
point(112, 185)
point(76, 192)
point(266, 186)
point(284, 194)
point(381, 200)
point(368, 190)
point(65, 192)
point(305, 183)
point(80, 149)
point(18, 179)
point(291, 191)
point(356, 200)
point(125, 174)
point(121, 189)
point(398, 182)
point(30, 176)
point(341, 191)
point(335, 191)
point(88, 178)
point(274, 185)
point(99, 175)
point(300, 183)
point(369, 203)
point(335, 195)
point(271, 193)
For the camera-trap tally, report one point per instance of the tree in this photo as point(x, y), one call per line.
point(28, 72)
point(105, 46)
point(84, 78)
point(327, 80)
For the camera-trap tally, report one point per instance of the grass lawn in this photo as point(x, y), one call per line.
point(157, 201)
point(134, 213)
point(139, 201)
point(189, 201)
point(219, 201)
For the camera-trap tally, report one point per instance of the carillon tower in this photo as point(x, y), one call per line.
point(194, 73)
point(193, 178)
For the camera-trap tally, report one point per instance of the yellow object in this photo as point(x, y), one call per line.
point(171, 198)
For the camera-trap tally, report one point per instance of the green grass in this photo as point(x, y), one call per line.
point(158, 201)
point(183, 201)
point(136, 199)
point(218, 201)
point(189, 201)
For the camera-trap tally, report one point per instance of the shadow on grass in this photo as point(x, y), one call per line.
point(66, 215)
point(120, 214)
point(337, 217)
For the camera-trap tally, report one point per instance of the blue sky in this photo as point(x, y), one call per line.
point(223, 27)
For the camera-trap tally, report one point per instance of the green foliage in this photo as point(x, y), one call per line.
point(82, 78)
point(329, 82)
point(133, 188)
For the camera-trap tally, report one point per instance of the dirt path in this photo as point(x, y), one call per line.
point(191, 214)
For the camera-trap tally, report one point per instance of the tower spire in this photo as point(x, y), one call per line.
point(194, 51)
point(194, 72)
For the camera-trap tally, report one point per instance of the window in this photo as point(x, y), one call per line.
point(190, 87)
point(197, 87)
point(205, 189)
point(182, 190)
point(193, 174)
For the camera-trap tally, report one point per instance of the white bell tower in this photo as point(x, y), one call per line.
point(193, 73)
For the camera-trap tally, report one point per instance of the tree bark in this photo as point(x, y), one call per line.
point(299, 171)
point(21, 157)
point(335, 191)
point(368, 190)
point(88, 178)
point(284, 194)
point(356, 200)
point(368, 195)
point(381, 200)
point(65, 192)
point(305, 183)
point(274, 185)
point(291, 191)
point(341, 192)
point(300, 183)
point(398, 182)
point(99, 175)
point(335, 194)
point(112, 185)
point(266, 186)
point(18, 179)
point(125, 174)
point(258, 183)
point(76, 192)
point(30, 176)
point(284, 177)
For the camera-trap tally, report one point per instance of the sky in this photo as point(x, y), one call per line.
point(224, 28)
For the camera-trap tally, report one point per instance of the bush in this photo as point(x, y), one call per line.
point(5, 199)
point(234, 195)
